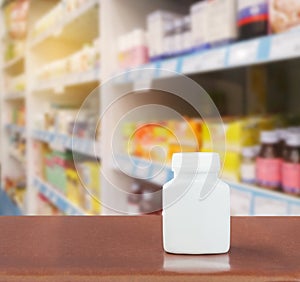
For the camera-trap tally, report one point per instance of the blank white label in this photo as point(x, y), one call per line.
point(285, 45)
point(168, 65)
point(214, 59)
point(243, 53)
point(192, 64)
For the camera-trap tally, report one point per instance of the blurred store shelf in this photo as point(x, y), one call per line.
point(80, 145)
point(16, 155)
point(245, 199)
point(56, 198)
point(14, 96)
point(58, 84)
point(14, 63)
point(68, 26)
point(266, 49)
point(15, 128)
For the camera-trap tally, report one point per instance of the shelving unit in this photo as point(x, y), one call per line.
point(246, 199)
point(15, 96)
point(59, 85)
point(57, 198)
point(14, 63)
point(12, 159)
point(70, 33)
point(231, 67)
point(79, 145)
point(67, 26)
point(267, 49)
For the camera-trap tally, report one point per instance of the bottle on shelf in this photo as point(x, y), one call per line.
point(291, 165)
point(253, 18)
point(247, 169)
point(268, 162)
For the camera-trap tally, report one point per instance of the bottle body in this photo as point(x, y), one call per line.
point(291, 165)
point(268, 162)
point(195, 225)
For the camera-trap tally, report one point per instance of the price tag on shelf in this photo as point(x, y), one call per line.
point(285, 45)
point(214, 59)
point(168, 67)
point(192, 63)
point(243, 53)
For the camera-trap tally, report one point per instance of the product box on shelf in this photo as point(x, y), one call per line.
point(199, 25)
point(89, 172)
point(41, 157)
point(133, 49)
point(62, 161)
point(156, 27)
point(252, 18)
point(221, 21)
point(284, 15)
point(159, 140)
point(75, 191)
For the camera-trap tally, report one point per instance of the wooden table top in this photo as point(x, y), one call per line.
point(130, 249)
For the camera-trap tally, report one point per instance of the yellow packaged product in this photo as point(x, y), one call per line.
point(90, 176)
point(75, 192)
point(231, 166)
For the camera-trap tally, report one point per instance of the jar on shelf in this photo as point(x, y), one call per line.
point(268, 162)
point(247, 170)
point(291, 165)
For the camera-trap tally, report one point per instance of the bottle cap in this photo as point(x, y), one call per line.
point(281, 132)
point(147, 195)
point(294, 129)
point(135, 187)
point(269, 137)
point(293, 139)
point(196, 162)
point(249, 152)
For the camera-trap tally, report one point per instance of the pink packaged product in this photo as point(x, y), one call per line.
point(291, 165)
point(132, 49)
point(268, 162)
point(284, 15)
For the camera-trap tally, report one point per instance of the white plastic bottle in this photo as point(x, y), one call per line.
point(196, 206)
